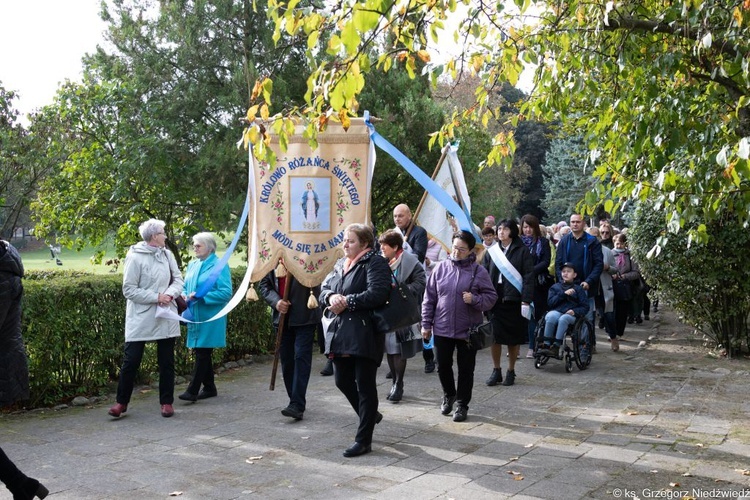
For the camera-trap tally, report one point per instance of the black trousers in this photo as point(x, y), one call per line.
point(466, 359)
point(203, 371)
point(356, 379)
point(132, 361)
point(622, 311)
point(13, 478)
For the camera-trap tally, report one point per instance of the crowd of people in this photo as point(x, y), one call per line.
point(519, 273)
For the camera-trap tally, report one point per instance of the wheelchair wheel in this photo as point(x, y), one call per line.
point(539, 359)
point(582, 331)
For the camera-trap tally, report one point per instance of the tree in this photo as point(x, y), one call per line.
point(566, 180)
point(659, 90)
point(709, 285)
point(151, 131)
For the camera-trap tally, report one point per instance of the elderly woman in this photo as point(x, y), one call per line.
point(407, 270)
point(204, 337)
point(457, 293)
point(359, 283)
point(151, 279)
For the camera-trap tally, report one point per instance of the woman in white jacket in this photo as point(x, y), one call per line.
point(151, 278)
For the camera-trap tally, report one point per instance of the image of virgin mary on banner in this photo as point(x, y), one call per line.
point(300, 206)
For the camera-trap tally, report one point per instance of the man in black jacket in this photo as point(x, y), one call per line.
point(295, 351)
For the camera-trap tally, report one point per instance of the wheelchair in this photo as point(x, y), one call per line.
point(577, 345)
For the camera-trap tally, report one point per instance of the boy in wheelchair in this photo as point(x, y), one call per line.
point(566, 301)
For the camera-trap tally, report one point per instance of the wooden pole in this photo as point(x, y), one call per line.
point(287, 286)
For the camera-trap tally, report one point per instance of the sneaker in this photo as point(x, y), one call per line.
point(291, 411)
point(510, 378)
point(615, 344)
point(530, 354)
point(495, 377)
point(460, 414)
point(447, 405)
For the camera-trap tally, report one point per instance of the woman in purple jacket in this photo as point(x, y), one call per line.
point(458, 292)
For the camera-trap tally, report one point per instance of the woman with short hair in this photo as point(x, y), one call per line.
point(203, 338)
point(458, 292)
point(359, 283)
point(408, 272)
point(151, 279)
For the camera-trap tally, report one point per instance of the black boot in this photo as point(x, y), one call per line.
point(510, 378)
point(327, 371)
point(30, 489)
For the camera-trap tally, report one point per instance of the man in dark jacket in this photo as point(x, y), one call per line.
point(295, 351)
point(585, 253)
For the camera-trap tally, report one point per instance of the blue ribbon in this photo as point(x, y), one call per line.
point(432, 187)
point(216, 271)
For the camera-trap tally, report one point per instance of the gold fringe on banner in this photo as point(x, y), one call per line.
point(251, 295)
point(312, 302)
point(281, 270)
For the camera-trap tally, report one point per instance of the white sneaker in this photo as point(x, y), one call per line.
point(615, 344)
point(530, 354)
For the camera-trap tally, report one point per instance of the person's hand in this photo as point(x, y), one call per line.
point(191, 296)
point(427, 262)
point(585, 285)
point(570, 291)
point(468, 298)
point(337, 303)
point(571, 312)
point(426, 335)
point(163, 299)
point(283, 306)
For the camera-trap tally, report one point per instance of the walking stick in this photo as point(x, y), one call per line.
point(287, 286)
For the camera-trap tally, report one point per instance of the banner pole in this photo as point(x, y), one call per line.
point(287, 286)
point(424, 195)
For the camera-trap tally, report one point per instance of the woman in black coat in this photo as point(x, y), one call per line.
point(14, 368)
point(539, 248)
point(359, 283)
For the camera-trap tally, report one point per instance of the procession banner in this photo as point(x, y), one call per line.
point(439, 223)
point(300, 207)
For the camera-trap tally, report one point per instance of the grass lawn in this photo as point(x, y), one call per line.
point(81, 261)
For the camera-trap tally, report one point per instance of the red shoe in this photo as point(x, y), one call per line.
point(118, 409)
point(167, 411)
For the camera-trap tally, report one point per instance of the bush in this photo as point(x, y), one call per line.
point(707, 284)
point(73, 327)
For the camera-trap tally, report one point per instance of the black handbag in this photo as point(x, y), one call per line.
point(402, 309)
point(623, 289)
point(481, 336)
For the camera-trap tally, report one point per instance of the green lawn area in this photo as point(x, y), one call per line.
point(81, 261)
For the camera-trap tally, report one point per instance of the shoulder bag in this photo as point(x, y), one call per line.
point(402, 309)
point(480, 336)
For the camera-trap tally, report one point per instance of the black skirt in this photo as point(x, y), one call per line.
point(508, 326)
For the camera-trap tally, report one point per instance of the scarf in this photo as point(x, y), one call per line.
point(619, 256)
point(534, 245)
point(348, 263)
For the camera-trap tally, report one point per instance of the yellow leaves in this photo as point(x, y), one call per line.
point(476, 62)
point(264, 111)
point(344, 118)
point(424, 56)
point(251, 113)
point(737, 15)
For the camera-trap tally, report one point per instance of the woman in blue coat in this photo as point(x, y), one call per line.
point(204, 337)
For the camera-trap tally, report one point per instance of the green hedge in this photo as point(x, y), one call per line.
point(74, 324)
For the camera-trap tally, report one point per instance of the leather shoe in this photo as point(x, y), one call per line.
point(460, 414)
point(186, 396)
point(429, 367)
point(167, 411)
point(378, 417)
point(206, 393)
point(291, 411)
point(396, 394)
point(357, 449)
point(447, 405)
point(118, 409)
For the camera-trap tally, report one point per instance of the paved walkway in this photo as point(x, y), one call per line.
point(662, 421)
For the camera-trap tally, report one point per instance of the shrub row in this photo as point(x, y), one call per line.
point(74, 324)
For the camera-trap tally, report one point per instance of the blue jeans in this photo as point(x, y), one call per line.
point(557, 324)
point(295, 354)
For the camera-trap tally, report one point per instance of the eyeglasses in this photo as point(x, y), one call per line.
point(460, 249)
